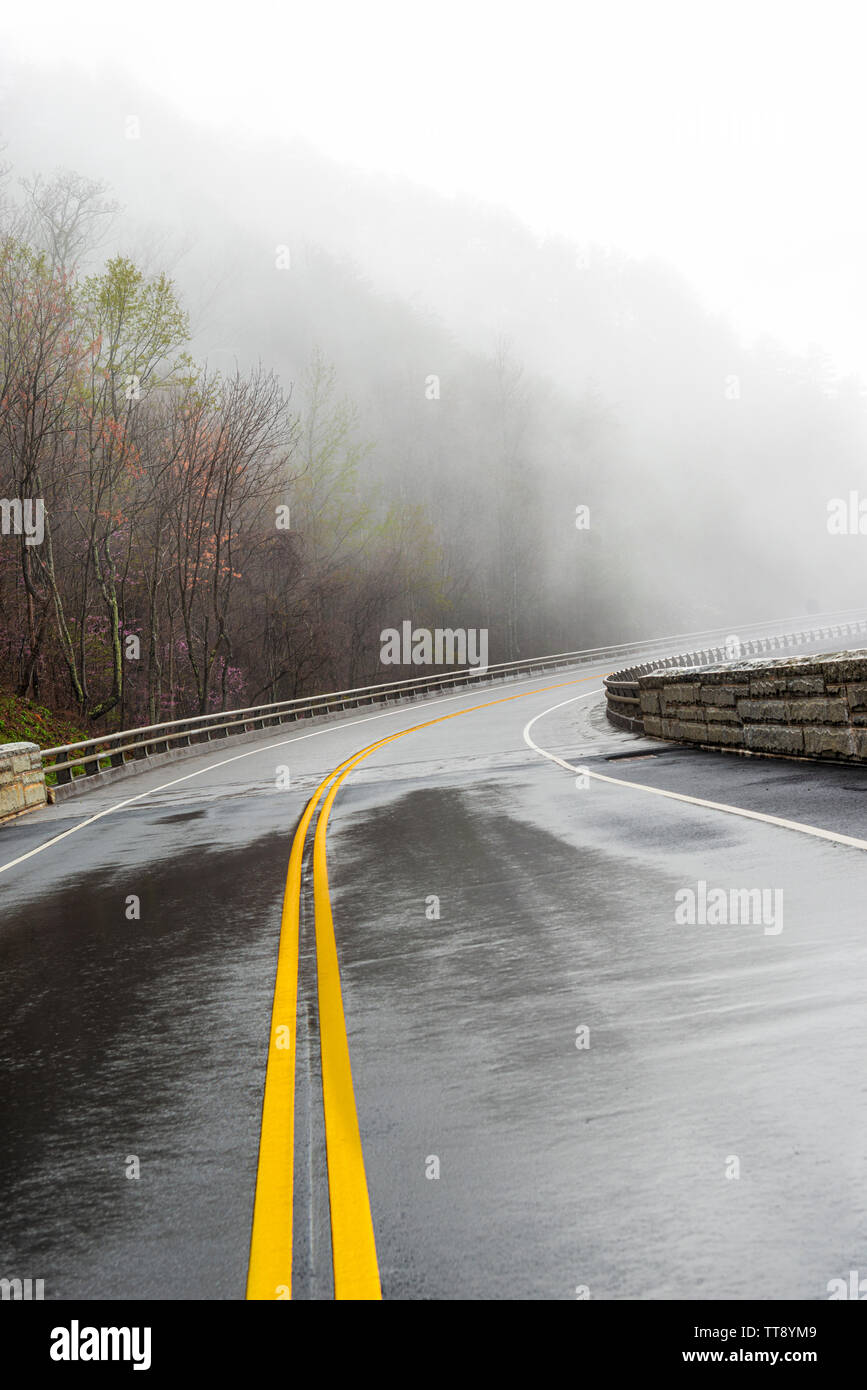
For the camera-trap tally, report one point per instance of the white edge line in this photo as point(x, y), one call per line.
point(249, 753)
point(800, 826)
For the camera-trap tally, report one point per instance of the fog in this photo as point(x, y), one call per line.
point(526, 311)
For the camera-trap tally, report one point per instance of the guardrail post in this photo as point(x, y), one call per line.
point(63, 774)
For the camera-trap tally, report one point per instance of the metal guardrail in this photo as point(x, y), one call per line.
point(73, 760)
point(623, 703)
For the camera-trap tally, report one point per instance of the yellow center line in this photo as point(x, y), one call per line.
point(356, 1269)
point(269, 1274)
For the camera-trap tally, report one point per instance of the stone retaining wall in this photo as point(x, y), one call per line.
point(22, 783)
point(807, 706)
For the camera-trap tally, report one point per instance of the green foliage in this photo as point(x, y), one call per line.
point(22, 721)
point(136, 324)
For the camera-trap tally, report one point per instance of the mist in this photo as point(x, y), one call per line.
point(471, 419)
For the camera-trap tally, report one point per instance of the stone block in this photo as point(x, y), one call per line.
point(762, 711)
point(681, 692)
point(727, 735)
point(768, 685)
point(723, 694)
point(694, 732)
point(806, 685)
point(773, 738)
point(22, 783)
point(818, 712)
point(829, 743)
point(11, 800)
point(856, 694)
point(688, 713)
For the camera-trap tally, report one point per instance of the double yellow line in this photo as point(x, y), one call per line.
point(353, 1249)
point(356, 1270)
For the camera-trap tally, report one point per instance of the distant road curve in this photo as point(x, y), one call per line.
point(798, 826)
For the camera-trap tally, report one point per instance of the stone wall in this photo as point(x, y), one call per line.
point(807, 706)
point(22, 784)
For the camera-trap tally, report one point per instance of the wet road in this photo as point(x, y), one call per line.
point(561, 1087)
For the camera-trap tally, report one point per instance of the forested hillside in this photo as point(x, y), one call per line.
point(331, 409)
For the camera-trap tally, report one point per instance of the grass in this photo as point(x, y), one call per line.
point(23, 721)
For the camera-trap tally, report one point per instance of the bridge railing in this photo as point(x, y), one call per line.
point(95, 756)
point(622, 690)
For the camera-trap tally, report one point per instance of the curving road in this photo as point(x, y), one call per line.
point(563, 1088)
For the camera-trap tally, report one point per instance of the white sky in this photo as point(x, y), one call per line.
point(729, 138)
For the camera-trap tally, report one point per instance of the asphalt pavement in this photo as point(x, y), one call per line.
point(565, 1087)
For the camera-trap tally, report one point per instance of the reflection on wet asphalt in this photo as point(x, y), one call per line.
point(486, 910)
point(145, 1038)
point(603, 1167)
